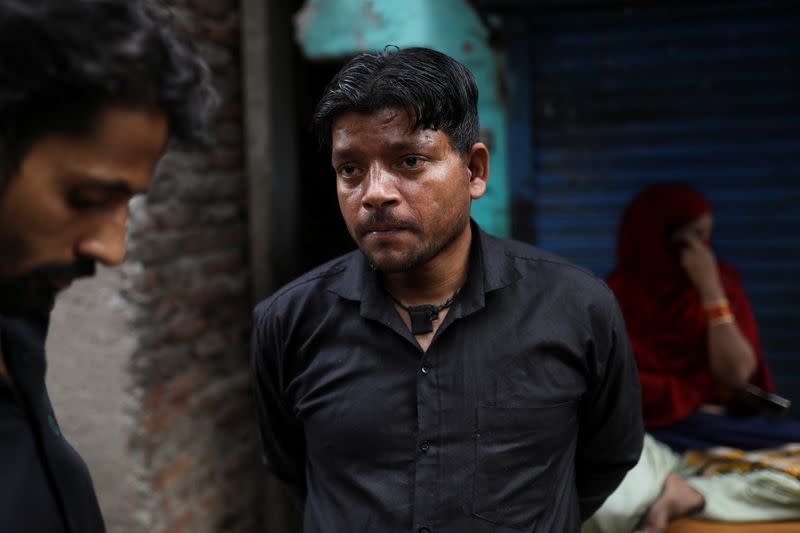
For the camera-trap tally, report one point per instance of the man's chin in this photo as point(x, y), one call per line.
point(35, 291)
point(391, 263)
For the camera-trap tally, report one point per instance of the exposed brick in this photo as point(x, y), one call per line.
point(163, 185)
point(234, 415)
point(228, 87)
point(166, 306)
point(220, 214)
point(165, 418)
point(188, 285)
point(188, 383)
point(202, 297)
point(154, 397)
point(228, 237)
point(167, 506)
point(214, 8)
point(154, 247)
point(226, 33)
point(230, 111)
point(229, 133)
point(210, 500)
point(154, 358)
point(182, 524)
point(173, 216)
point(144, 281)
point(230, 263)
point(217, 57)
point(210, 188)
point(213, 397)
point(167, 476)
point(226, 159)
point(185, 329)
point(140, 218)
point(213, 343)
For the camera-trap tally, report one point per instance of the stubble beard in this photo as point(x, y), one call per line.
point(31, 291)
point(417, 258)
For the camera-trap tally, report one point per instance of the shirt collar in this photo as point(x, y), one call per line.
point(491, 267)
point(23, 341)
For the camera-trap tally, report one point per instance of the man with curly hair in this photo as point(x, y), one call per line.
point(91, 92)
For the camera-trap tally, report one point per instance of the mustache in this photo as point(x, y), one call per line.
point(40, 276)
point(379, 220)
point(81, 268)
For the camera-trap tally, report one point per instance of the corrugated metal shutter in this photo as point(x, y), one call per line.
point(606, 100)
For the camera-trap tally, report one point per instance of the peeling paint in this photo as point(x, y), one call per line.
point(373, 15)
point(338, 29)
point(304, 17)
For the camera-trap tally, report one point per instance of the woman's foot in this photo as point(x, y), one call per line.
point(677, 499)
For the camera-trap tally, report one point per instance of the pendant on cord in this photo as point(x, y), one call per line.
point(422, 316)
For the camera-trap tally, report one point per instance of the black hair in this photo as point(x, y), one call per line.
point(62, 61)
point(437, 91)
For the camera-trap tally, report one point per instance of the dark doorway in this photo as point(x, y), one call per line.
point(322, 234)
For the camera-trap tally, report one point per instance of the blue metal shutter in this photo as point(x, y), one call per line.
point(606, 100)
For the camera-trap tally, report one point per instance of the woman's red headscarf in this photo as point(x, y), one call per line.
point(663, 312)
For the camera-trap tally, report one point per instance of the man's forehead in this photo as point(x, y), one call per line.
point(389, 127)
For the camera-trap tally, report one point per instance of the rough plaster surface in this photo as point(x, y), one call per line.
point(88, 350)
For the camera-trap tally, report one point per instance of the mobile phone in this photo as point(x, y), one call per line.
point(750, 400)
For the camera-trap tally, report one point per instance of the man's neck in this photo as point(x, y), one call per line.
point(438, 279)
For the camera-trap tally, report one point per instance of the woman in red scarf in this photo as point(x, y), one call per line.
point(689, 321)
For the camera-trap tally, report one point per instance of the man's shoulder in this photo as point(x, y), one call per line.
point(312, 282)
point(524, 250)
point(538, 270)
point(530, 259)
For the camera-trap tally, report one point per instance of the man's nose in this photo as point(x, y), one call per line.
point(105, 241)
point(381, 190)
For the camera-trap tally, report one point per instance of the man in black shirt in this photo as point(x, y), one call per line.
point(438, 379)
point(90, 93)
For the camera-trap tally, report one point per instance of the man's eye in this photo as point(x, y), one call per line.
point(347, 170)
point(412, 161)
point(92, 200)
point(83, 202)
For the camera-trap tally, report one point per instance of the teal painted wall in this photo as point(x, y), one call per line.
point(337, 29)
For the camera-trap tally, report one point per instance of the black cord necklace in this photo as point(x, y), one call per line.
point(422, 316)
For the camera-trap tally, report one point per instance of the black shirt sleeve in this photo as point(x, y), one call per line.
point(281, 434)
point(611, 427)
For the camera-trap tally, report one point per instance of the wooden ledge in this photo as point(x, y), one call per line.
point(690, 525)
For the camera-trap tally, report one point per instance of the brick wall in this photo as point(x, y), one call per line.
point(186, 281)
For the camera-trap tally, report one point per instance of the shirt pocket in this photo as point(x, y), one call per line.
point(515, 456)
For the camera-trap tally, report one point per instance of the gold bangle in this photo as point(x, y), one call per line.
point(716, 303)
point(718, 311)
point(723, 319)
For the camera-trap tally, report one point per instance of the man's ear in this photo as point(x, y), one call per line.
point(478, 166)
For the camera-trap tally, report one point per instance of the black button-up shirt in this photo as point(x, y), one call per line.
point(523, 414)
point(45, 486)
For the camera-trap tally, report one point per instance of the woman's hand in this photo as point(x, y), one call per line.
point(700, 265)
point(731, 357)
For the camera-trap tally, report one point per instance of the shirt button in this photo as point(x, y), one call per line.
point(423, 530)
point(425, 446)
point(424, 369)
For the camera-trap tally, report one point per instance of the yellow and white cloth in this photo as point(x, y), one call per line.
point(738, 486)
